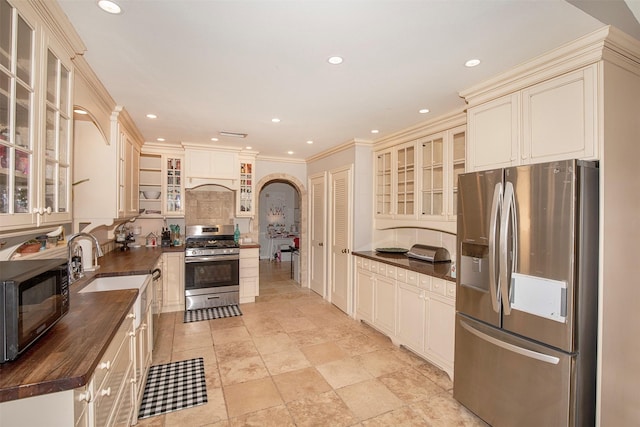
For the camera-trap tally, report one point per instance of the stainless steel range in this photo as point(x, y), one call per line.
point(211, 271)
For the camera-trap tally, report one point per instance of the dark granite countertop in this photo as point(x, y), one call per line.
point(440, 270)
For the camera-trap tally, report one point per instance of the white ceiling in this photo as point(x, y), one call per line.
point(205, 66)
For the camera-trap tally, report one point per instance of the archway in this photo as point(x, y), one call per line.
point(300, 188)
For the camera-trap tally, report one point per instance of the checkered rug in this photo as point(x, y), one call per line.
point(211, 313)
point(173, 386)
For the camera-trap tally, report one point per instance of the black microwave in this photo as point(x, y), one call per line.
point(34, 296)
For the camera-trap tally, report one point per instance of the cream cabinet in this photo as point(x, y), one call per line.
point(416, 180)
point(35, 127)
point(102, 195)
point(552, 120)
point(414, 310)
point(395, 176)
point(442, 161)
point(162, 171)
point(205, 164)
point(383, 174)
point(364, 290)
point(249, 274)
point(245, 197)
point(172, 281)
point(106, 400)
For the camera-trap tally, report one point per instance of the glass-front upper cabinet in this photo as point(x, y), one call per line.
point(405, 179)
point(383, 183)
point(57, 141)
point(457, 150)
point(17, 184)
point(174, 199)
point(433, 175)
point(245, 198)
point(443, 160)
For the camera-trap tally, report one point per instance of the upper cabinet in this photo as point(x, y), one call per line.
point(106, 172)
point(162, 173)
point(551, 120)
point(205, 165)
point(35, 122)
point(416, 180)
point(245, 199)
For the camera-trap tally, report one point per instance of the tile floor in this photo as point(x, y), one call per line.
point(292, 359)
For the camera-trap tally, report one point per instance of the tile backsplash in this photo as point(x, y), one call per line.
point(209, 205)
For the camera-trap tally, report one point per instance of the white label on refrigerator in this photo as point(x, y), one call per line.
point(539, 296)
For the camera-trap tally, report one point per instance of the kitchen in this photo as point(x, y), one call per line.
point(612, 139)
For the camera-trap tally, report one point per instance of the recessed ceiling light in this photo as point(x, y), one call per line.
point(248, 147)
point(214, 139)
point(79, 111)
point(423, 111)
point(472, 63)
point(275, 120)
point(335, 60)
point(375, 131)
point(109, 6)
point(289, 152)
point(309, 142)
point(151, 116)
point(160, 139)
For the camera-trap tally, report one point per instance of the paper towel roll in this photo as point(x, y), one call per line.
point(87, 254)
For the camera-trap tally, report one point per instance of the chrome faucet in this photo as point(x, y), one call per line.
point(76, 273)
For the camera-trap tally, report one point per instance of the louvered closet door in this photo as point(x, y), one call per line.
point(340, 226)
point(317, 236)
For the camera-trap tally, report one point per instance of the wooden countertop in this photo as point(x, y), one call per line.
point(440, 270)
point(66, 356)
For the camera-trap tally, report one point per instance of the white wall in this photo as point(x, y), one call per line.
point(297, 169)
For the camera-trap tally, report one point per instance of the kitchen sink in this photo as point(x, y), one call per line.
point(116, 283)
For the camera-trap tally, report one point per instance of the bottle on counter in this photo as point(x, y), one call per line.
point(236, 234)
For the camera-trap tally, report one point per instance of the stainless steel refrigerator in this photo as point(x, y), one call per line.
point(527, 289)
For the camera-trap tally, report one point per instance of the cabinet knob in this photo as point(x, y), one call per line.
point(85, 397)
point(320, 244)
point(105, 365)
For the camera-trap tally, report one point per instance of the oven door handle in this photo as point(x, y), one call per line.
point(215, 258)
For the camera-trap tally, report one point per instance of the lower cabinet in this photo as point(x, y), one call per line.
point(364, 290)
point(414, 310)
point(384, 304)
point(110, 388)
point(112, 395)
point(172, 281)
point(249, 274)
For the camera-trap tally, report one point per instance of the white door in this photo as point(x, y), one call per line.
point(340, 235)
point(317, 235)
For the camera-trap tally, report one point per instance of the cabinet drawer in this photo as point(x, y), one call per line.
point(373, 266)
point(365, 262)
point(382, 269)
point(249, 272)
point(391, 271)
point(249, 263)
point(438, 286)
point(424, 281)
point(401, 275)
point(412, 277)
point(358, 262)
point(451, 290)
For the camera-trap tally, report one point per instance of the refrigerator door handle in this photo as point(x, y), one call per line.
point(496, 207)
point(505, 268)
point(510, 347)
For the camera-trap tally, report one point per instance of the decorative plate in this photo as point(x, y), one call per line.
point(392, 250)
